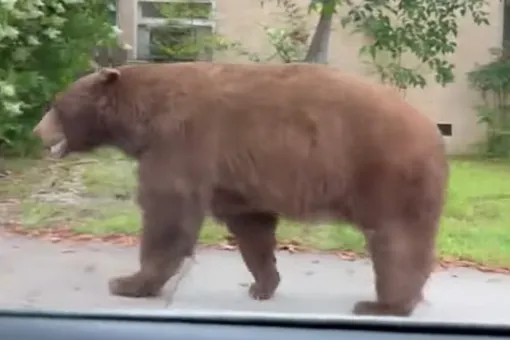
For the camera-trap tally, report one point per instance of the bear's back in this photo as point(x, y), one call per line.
point(312, 104)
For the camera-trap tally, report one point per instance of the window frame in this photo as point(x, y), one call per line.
point(148, 23)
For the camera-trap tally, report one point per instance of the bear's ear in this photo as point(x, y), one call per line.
point(108, 75)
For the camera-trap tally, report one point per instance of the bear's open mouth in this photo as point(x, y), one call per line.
point(59, 149)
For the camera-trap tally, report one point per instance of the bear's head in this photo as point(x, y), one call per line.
point(77, 120)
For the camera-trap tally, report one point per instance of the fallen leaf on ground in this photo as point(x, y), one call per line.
point(226, 246)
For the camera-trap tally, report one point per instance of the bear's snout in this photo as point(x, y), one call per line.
point(49, 131)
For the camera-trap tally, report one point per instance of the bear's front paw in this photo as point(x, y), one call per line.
point(135, 285)
point(258, 293)
point(377, 309)
point(265, 290)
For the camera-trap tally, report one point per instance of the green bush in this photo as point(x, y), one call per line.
point(44, 45)
point(492, 81)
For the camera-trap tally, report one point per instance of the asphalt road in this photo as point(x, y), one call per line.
point(39, 274)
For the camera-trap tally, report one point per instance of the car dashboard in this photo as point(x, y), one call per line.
point(224, 325)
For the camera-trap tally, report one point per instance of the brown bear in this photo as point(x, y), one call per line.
point(250, 143)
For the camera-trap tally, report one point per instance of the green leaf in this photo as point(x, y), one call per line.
point(425, 28)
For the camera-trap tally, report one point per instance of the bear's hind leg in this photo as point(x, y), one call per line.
point(403, 258)
point(171, 224)
point(255, 234)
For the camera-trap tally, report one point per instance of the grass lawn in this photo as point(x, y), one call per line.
point(94, 195)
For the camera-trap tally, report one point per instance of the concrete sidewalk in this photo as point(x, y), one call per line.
point(35, 273)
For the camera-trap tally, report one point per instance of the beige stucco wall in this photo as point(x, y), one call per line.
point(241, 19)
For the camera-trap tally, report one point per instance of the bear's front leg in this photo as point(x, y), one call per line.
point(171, 224)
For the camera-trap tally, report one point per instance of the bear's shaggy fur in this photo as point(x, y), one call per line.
point(249, 144)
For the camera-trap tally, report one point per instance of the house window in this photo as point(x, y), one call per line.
point(174, 30)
